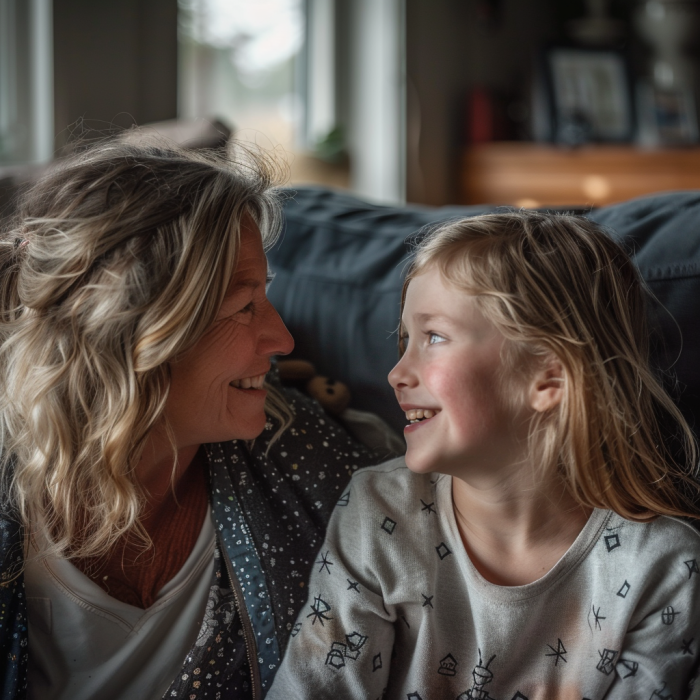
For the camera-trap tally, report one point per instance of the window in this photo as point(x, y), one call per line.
point(239, 61)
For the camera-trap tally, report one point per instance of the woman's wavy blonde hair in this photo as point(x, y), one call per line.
point(558, 285)
point(118, 261)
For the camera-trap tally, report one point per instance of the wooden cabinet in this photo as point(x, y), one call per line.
point(533, 175)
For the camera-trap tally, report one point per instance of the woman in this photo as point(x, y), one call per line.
point(146, 548)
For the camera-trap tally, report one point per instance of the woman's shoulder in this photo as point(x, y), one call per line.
point(10, 546)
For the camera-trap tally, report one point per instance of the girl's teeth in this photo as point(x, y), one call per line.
point(416, 414)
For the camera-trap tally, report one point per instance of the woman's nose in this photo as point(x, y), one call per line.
point(275, 339)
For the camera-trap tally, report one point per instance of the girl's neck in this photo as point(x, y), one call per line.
point(516, 528)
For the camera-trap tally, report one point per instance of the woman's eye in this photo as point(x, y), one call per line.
point(435, 338)
point(248, 308)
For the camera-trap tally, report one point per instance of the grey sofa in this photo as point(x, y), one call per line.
point(340, 262)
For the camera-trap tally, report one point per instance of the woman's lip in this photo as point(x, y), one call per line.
point(250, 392)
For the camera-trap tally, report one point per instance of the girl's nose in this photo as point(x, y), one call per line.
point(401, 376)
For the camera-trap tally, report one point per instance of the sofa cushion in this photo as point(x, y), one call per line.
point(662, 232)
point(339, 267)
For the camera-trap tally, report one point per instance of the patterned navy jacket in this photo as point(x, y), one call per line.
point(270, 511)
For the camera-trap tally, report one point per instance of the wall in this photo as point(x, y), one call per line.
point(448, 51)
point(115, 63)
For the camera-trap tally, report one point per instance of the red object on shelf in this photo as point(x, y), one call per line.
point(481, 116)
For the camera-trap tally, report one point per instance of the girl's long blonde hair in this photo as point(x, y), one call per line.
point(558, 285)
point(117, 262)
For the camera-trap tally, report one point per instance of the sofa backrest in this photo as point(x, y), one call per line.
point(339, 269)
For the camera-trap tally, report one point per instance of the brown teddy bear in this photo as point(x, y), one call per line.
point(334, 396)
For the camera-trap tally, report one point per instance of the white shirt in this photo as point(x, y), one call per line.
point(85, 644)
point(396, 609)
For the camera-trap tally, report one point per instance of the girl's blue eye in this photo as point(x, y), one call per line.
point(434, 338)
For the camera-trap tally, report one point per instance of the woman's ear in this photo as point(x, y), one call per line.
point(547, 386)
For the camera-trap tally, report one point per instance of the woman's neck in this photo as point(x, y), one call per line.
point(159, 471)
point(516, 526)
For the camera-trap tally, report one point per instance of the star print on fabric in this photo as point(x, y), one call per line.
point(448, 666)
point(692, 565)
point(668, 615)
point(428, 506)
point(427, 600)
point(414, 696)
point(295, 629)
point(519, 696)
point(598, 617)
point(443, 550)
point(352, 585)
point(624, 589)
point(612, 542)
point(626, 668)
point(320, 608)
point(355, 642)
point(344, 499)
point(336, 656)
point(558, 653)
point(325, 563)
point(687, 649)
point(661, 694)
point(389, 525)
point(376, 662)
point(403, 617)
point(606, 664)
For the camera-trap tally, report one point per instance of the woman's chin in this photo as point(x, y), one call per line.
point(249, 430)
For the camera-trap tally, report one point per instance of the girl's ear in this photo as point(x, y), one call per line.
point(547, 386)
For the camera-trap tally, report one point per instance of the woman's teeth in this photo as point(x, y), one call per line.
point(415, 415)
point(249, 382)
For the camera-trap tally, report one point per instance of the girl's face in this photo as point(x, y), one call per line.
point(451, 373)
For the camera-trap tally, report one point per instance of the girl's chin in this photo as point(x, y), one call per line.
point(418, 465)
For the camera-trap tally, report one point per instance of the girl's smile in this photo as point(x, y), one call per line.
point(449, 383)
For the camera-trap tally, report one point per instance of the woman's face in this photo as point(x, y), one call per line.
point(216, 389)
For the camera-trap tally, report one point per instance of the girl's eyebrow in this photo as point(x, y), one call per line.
point(426, 317)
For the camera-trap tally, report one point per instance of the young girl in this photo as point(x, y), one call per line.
point(521, 555)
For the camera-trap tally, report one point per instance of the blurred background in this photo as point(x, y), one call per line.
point(537, 103)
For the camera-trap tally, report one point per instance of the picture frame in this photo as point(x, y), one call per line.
point(586, 95)
point(667, 117)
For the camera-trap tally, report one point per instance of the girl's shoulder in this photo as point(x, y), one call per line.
point(682, 531)
point(389, 487)
point(394, 476)
point(663, 538)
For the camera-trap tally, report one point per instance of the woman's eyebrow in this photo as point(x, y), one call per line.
point(243, 284)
